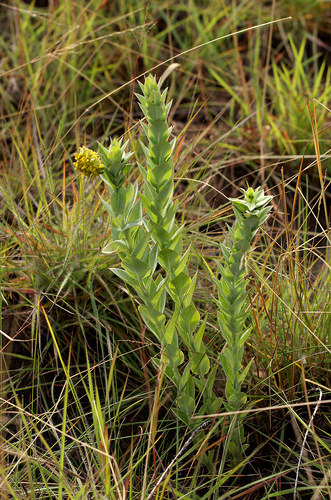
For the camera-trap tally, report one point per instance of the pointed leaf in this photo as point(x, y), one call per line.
point(124, 276)
point(153, 213)
point(199, 335)
point(169, 259)
point(164, 197)
point(189, 319)
point(186, 404)
point(107, 207)
point(158, 132)
point(170, 330)
point(180, 285)
point(200, 364)
point(117, 200)
point(183, 261)
point(136, 268)
point(161, 237)
point(160, 152)
point(174, 355)
point(154, 320)
point(134, 223)
point(244, 373)
point(140, 249)
point(160, 175)
point(155, 113)
point(189, 295)
point(227, 368)
point(115, 246)
point(131, 196)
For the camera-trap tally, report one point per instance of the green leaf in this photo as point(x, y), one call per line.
point(161, 237)
point(169, 259)
point(174, 356)
point(180, 285)
point(125, 276)
point(200, 364)
point(143, 172)
point(136, 268)
point(136, 212)
point(164, 198)
point(158, 132)
point(115, 246)
point(237, 399)
point(103, 153)
point(170, 330)
point(168, 106)
point(153, 213)
point(160, 175)
point(146, 152)
point(225, 252)
point(176, 240)
point(155, 113)
point(234, 358)
point(244, 373)
point(189, 295)
point(189, 319)
point(243, 233)
point(199, 335)
point(153, 254)
point(117, 200)
point(155, 96)
point(184, 417)
point(154, 320)
point(208, 389)
point(131, 196)
point(186, 404)
point(186, 385)
point(244, 336)
point(189, 389)
point(223, 328)
point(183, 261)
point(157, 299)
point(134, 223)
point(169, 220)
point(242, 246)
point(236, 271)
point(107, 207)
point(160, 152)
point(228, 370)
point(140, 249)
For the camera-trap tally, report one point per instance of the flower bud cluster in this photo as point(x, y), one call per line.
point(88, 162)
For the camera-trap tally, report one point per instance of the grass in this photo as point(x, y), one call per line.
point(85, 412)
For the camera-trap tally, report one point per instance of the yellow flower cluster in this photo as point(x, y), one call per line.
point(88, 162)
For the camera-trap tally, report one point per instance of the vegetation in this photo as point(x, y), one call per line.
point(108, 387)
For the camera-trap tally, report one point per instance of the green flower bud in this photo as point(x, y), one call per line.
point(253, 203)
point(115, 162)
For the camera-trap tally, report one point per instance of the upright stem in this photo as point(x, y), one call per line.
point(250, 213)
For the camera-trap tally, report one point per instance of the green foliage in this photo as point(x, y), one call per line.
point(251, 213)
point(142, 243)
point(84, 428)
point(157, 240)
point(116, 167)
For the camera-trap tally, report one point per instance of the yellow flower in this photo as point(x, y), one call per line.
point(88, 163)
